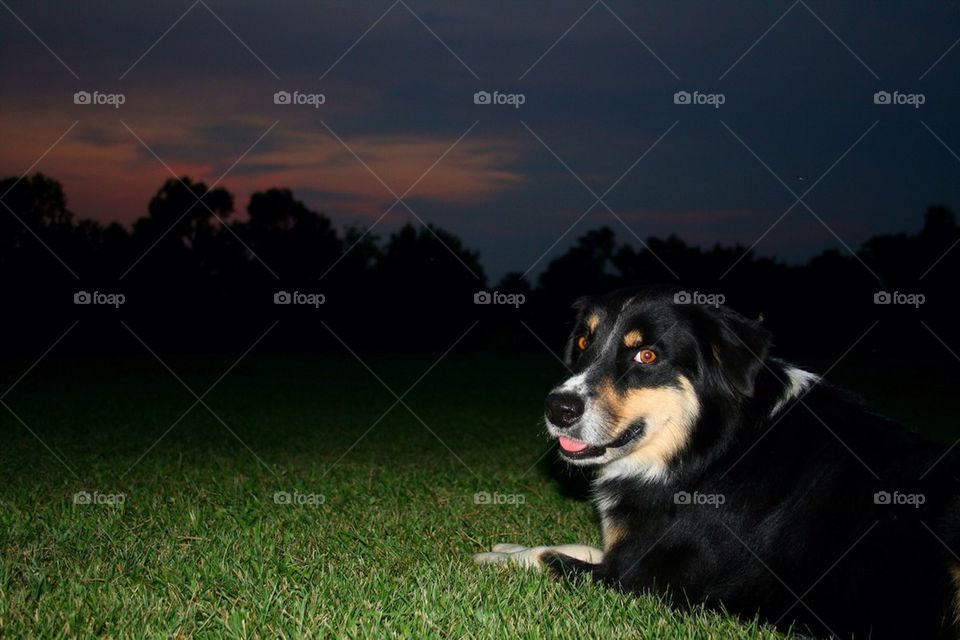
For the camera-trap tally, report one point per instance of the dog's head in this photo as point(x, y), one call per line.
point(645, 364)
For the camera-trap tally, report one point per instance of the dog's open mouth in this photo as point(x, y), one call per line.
point(578, 450)
point(574, 449)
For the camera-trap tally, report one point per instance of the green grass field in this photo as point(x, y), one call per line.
point(375, 540)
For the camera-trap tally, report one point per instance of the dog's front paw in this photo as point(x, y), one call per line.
point(504, 553)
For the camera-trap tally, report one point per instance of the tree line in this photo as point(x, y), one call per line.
point(193, 275)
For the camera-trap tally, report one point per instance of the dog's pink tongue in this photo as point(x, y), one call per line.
point(571, 445)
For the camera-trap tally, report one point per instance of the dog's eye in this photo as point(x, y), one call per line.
point(582, 343)
point(645, 356)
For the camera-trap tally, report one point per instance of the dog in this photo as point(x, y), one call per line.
point(728, 478)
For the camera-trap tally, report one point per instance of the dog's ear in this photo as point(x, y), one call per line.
point(741, 347)
point(582, 303)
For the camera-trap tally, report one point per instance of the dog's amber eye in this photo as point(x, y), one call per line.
point(582, 343)
point(645, 356)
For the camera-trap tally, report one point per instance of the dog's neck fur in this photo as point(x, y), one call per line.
point(718, 423)
point(720, 431)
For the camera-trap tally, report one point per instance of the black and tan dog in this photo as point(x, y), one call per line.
point(730, 478)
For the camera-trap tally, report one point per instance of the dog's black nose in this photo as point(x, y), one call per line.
point(563, 409)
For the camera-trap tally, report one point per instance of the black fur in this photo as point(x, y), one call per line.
point(800, 539)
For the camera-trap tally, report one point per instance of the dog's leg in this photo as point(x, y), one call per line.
point(565, 566)
point(533, 557)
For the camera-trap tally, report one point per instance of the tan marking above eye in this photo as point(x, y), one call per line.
point(593, 320)
point(632, 339)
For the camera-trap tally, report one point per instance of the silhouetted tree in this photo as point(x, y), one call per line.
point(183, 213)
point(35, 223)
point(428, 259)
point(587, 266)
point(298, 243)
point(34, 205)
point(37, 200)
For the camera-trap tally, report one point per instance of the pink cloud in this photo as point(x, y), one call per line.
point(108, 175)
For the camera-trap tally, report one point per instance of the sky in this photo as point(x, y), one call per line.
point(782, 144)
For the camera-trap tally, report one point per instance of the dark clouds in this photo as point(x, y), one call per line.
point(599, 99)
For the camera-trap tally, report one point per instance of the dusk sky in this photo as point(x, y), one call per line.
point(598, 82)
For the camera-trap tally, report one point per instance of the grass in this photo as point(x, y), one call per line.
point(379, 547)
